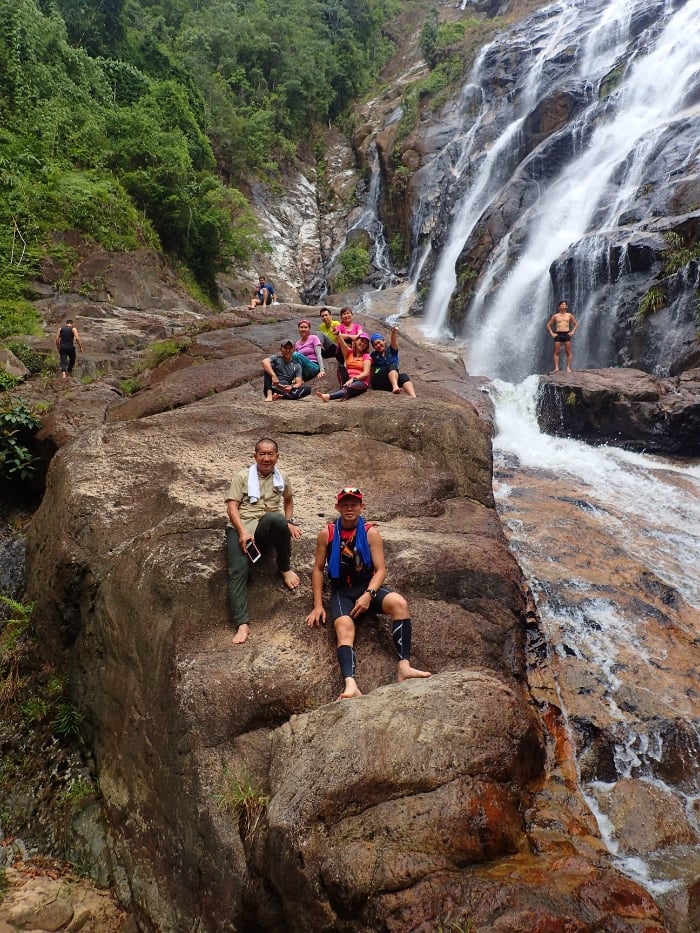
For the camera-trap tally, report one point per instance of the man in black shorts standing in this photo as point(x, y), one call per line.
point(565, 326)
point(354, 553)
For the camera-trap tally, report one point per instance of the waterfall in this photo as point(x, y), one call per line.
point(634, 78)
point(370, 222)
point(600, 532)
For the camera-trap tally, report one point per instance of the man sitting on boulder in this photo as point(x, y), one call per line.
point(283, 377)
point(353, 550)
point(255, 524)
point(263, 295)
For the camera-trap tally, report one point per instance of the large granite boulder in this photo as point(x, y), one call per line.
point(624, 407)
point(237, 794)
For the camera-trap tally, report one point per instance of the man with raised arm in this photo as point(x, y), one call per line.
point(353, 551)
point(254, 515)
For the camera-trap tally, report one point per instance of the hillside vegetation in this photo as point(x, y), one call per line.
point(135, 122)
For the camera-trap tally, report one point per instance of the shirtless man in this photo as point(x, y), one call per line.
point(563, 331)
point(254, 515)
point(354, 553)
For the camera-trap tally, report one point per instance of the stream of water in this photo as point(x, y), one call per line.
point(587, 525)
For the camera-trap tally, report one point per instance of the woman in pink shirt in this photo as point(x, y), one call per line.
point(307, 352)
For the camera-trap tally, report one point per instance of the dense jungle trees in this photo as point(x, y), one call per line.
point(112, 111)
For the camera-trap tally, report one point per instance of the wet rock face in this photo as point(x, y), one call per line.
point(379, 810)
point(624, 407)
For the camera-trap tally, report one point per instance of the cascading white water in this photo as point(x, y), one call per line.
point(589, 527)
point(608, 539)
point(505, 323)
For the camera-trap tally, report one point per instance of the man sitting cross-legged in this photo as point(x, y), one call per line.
point(354, 553)
point(283, 377)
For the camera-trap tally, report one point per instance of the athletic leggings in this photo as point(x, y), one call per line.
point(356, 387)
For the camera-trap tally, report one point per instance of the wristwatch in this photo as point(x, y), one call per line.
point(371, 592)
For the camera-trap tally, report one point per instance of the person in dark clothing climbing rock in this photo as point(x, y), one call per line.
point(66, 337)
point(353, 550)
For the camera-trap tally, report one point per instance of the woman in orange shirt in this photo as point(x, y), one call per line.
point(358, 364)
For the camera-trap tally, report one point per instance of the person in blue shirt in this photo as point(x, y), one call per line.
point(385, 366)
point(264, 294)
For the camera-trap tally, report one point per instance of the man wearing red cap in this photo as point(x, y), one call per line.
point(353, 550)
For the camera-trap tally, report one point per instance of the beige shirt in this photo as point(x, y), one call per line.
point(270, 500)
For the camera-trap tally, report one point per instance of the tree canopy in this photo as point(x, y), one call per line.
point(132, 121)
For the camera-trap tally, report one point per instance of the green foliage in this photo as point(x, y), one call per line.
point(678, 253)
point(450, 34)
point(17, 423)
point(7, 381)
point(243, 798)
point(354, 261)
point(165, 349)
point(67, 721)
point(77, 792)
point(34, 709)
point(33, 359)
point(652, 301)
point(17, 621)
point(17, 316)
point(429, 37)
point(612, 80)
point(397, 248)
point(130, 385)
point(438, 40)
point(108, 112)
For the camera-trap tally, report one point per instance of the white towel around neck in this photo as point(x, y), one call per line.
point(254, 482)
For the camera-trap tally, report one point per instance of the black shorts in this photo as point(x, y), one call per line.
point(562, 338)
point(380, 380)
point(343, 598)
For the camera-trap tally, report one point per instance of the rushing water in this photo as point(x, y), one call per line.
point(587, 524)
point(580, 198)
point(608, 539)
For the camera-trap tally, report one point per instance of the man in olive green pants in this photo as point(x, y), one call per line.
point(254, 514)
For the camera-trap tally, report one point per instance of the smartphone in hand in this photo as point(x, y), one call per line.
point(252, 551)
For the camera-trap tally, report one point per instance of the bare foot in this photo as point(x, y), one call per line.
point(351, 689)
point(569, 370)
point(406, 672)
point(323, 395)
point(291, 580)
point(241, 635)
point(552, 371)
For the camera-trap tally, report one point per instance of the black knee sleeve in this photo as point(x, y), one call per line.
point(346, 659)
point(401, 633)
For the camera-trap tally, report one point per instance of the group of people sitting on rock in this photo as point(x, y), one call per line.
point(358, 368)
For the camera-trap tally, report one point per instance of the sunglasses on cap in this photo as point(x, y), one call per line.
point(349, 492)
